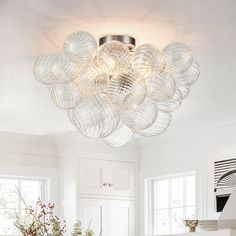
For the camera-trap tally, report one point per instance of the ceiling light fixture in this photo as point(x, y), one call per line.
point(117, 90)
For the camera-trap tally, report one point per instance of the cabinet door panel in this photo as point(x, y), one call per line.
point(93, 212)
point(91, 177)
point(120, 218)
point(122, 179)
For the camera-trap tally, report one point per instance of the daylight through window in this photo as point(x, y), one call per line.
point(173, 199)
point(10, 202)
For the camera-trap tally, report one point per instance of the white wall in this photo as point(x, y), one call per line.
point(187, 151)
point(27, 150)
point(29, 155)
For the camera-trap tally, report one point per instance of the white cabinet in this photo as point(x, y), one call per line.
point(93, 213)
point(92, 176)
point(121, 176)
point(108, 217)
point(120, 218)
point(106, 178)
point(106, 197)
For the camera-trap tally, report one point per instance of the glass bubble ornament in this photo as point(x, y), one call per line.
point(80, 47)
point(160, 125)
point(142, 117)
point(55, 68)
point(176, 58)
point(188, 77)
point(172, 104)
point(120, 137)
point(184, 90)
point(65, 95)
point(95, 117)
point(70, 115)
point(145, 60)
point(126, 91)
point(63, 69)
point(160, 87)
point(113, 57)
point(42, 70)
point(93, 80)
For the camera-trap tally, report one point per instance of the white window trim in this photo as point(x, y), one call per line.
point(50, 175)
point(149, 218)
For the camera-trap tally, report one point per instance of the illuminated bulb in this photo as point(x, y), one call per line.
point(126, 91)
point(113, 57)
point(93, 80)
point(145, 60)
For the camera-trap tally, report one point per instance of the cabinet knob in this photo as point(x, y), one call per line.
point(110, 184)
point(105, 184)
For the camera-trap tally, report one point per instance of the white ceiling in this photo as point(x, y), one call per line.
point(30, 28)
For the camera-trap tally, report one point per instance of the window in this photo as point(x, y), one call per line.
point(172, 200)
point(10, 202)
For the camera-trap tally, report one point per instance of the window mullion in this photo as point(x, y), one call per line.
point(184, 197)
point(19, 198)
point(169, 205)
point(154, 207)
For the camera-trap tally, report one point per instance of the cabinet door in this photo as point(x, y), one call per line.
point(120, 218)
point(122, 179)
point(92, 177)
point(93, 212)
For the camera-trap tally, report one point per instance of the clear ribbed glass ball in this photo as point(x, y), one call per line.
point(120, 137)
point(176, 58)
point(55, 68)
point(42, 70)
point(160, 87)
point(142, 117)
point(126, 91)
point(172, 104)
point(80, 47)
point(93, 80)
point(188, 77)
point(184, 90)
point(65, 95)
point(160, 125)
point(95, 117)
point(145, 60)
point(113, 57)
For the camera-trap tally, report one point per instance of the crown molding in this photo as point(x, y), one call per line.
point(181, 137)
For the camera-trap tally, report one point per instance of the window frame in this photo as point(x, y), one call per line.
point(150, 198)
point(44, 194)
point(51, 175)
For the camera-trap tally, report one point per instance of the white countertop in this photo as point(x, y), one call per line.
point(223, 232)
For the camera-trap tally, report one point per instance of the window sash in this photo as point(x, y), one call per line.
point(154, 207)
point(19, 180)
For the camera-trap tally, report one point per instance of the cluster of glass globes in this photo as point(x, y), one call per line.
point(114, 93)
